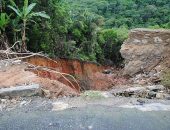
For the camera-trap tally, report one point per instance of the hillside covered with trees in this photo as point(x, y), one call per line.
point(92, 30)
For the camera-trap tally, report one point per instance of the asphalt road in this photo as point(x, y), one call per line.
point(91, 117)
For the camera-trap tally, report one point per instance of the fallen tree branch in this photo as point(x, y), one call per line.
point(9, 49)
point(24, 57)
point(62, 74)
point(19, 58)
point(54, 71)
point(40, 67)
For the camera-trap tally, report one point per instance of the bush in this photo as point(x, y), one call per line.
point(165, 78)
point(110, 40)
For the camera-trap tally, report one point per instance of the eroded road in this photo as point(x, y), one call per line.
point(92, 116)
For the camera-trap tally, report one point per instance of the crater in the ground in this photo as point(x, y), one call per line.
point(89, 75)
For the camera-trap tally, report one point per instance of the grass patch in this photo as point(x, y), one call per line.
point(93, 94)
point(165, 78)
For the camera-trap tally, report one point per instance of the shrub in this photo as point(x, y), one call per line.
point(110, 40)
point(92, 94)
point(165, 78)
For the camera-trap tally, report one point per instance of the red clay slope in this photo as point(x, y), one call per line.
point(88, 74)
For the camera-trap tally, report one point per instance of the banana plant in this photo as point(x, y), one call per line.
point(26, 14)
point(4, 20)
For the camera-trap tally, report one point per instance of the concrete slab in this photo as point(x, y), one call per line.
point(21, 91)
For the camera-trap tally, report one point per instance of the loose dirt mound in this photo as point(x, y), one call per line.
point(145, 49)
point(14, 75)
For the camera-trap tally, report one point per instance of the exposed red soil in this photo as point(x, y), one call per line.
point(88, 74)
point(99, 80)
point(73, 67)
point(16, 75)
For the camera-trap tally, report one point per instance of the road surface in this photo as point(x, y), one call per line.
point(90, 117)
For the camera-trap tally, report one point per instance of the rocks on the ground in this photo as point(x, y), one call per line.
point(151, 95)
point(24, 103)
point(145, 49)
point(108, 71)
point(131, 91)
point(150, 92)
point(13, 101)
point(46, 93)
point(160, 95)
point(7, 104)
point(146, 78)
point(3, 100)
point(58, 106)
point(135, 89)
point(21, 91)
point(156, 88)
point(140, 101)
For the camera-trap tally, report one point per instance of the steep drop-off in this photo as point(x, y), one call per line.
point(89, 75)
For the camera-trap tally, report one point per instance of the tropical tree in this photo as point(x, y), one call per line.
point(26, 15)
point(4, 20)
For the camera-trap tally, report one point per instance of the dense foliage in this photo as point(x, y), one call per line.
point(85, 29)
point(129, 13)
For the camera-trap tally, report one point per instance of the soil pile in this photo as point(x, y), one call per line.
point(145, 49)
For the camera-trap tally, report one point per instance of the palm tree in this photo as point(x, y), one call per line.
point(26, 15)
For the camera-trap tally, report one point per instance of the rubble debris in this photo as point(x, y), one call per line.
point(156, 88)
point(143, 53)
point(150, 92)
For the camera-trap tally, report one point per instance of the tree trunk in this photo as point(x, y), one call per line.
point(4, 41)
point(0, 5)
point(24, 46)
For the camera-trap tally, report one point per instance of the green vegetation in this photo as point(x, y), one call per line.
point(85, 29)
point(165, 78)
point(26, 15)
point(129, 13)
point(93, 95)
point(4, 20)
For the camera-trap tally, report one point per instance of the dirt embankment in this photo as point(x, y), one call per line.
point(89, 75)
point(66, 78)
point(16, 75)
